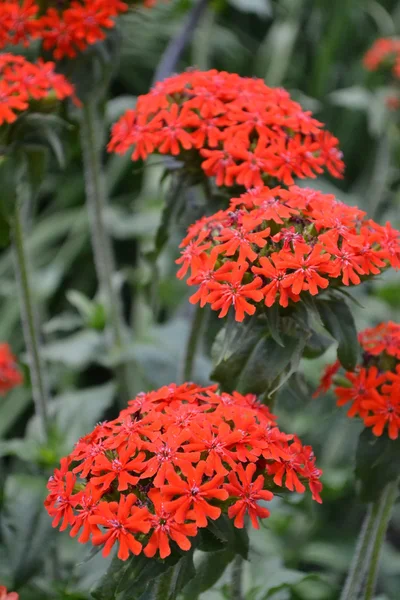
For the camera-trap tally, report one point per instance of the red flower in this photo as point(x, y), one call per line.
point(125, 469)
point(307, 269)
point(193, 495)
point(244, 130)
point(120, 520)
point(297, 240)
point(165, 527)
point(173, 459)
point(373, 390)
point(4, 595)
point(241, 485)
point(228, 289)
point(10, 375)
point(21, 81)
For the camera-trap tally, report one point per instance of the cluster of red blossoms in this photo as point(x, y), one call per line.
point(384, 52)
point(64, 31)
point(22, 81)
point(172, 460)
point(373, 389)
point(4, 595)
point(10, 375)
point(240, 130)
point(272, 245)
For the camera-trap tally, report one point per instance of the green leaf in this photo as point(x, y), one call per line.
point(236, 539)
point(286, 579)
point(25, 528)
point(377, 463)
point(107, 587)
point(209, 542)
point(77, 350)
point(257, 362)
point(338, 320)
point(317, 345)
point(208, 572)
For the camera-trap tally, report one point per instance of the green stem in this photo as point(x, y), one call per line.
point(193, 343)
point(368, 545)
point(237, 579)
point(91, 133)
point(387, 501)
point(30, 323)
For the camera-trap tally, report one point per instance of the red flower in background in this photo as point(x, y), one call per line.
point(316, 241)
point(384, 52)
point(10, 375)
point(65, 31)
point(373, 390)
point(22, 81)
point(241, 130)
point(192, 454)
point(4, 595)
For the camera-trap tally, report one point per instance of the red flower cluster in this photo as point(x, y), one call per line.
point(4, 595)
point(82, 24)
point(172, 460)
point(384, 52)
point(64, 31)
point(17, 22)
point(373, 389)
point(240, 130)
point(10, 375)
point(272, 245)
point(22, 81)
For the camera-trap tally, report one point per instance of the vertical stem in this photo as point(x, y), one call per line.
point(366, 557)
point(91, 133)
point(387, 501)
point(30, 323)
point(237, 577)
point(192, 343)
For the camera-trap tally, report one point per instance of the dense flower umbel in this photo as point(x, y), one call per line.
point(373, 389)
point(10, 375)
point(65, 28)
point(22, 81)
point(240, 130)
point(4, 595)
point(271, 245)
point(384, 52)
point(172, 460)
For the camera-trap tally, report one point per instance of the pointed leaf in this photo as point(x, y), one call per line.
point(208, 572)
point(256, 364)
point(338, 320)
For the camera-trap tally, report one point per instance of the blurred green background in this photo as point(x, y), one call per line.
point(313, 48)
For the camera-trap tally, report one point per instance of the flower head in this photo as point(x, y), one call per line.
point(236, 129)
point(22, 82)
point(372, 391)
point(10, 375)
point(274, 245)
point(175, 459)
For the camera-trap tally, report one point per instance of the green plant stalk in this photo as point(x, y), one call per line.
point(30, 323)
point(95, 185)
point(366, 557)
point(237, 579)
point(361, 556)
point(192, 344)
point(386, 502)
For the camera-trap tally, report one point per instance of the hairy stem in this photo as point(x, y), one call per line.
point(30, 323)
point(192, 343)
point(368, 547)
point(237, 577)
point(91, 133)
point(386, 503)
point(178, 44)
